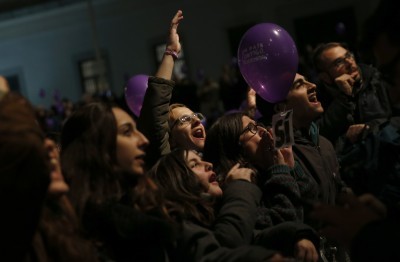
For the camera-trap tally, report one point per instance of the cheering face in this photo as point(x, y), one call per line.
point(130, 143)
point(205, 174)
point(339, 61)
point(187, 131)
point(302, 98)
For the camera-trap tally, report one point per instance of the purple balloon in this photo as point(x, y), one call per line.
point(268, 61)
point(134, 92)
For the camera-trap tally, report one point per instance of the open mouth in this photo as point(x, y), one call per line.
point(213, 178)
point(312, 97)
point(198, 133)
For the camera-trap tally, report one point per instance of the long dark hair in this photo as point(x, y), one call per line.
point(181, 187)
point(88, 155)
point(57, 237)
point(89, 162)
point(24, 178)
point(222, 147)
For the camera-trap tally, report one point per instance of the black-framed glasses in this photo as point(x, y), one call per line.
point(341, 61)
point(252, 128)
point(183, 119)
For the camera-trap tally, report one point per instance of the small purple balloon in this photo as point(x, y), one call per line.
point(134, 92)
point(268, 61)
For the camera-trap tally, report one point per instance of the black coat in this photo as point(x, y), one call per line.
point(369, 104)
point(153, 120)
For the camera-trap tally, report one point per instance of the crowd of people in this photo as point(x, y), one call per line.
point(164, 186)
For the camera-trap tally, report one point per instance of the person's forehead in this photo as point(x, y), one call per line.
point(179, 111)
point(334, 52)
point(193, 156)
point(246, 120)
point(297, 77)
point(121, 115)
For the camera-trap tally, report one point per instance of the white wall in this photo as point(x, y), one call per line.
point(45, 46)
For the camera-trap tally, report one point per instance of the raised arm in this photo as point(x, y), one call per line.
point(172, 50)
point(153, 120)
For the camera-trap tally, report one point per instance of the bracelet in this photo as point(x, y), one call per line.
point(171, 53)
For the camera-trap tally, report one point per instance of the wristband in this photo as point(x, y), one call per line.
point(171, 53)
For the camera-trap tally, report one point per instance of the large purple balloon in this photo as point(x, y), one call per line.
point(268, 61)
point(134, 92)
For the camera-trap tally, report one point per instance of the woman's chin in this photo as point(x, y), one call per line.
point(58, 188)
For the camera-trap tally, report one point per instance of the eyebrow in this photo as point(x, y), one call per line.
point(193, 160)
point(126, 124)
point(299, 81)
point(342, 57)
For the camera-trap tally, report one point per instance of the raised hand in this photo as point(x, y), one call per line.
point(354, 131)
point(288, 157)
point(305, 251)
point(173, 48)
point(346, 82)
point(173, 43)
point(238, 172)
point(271, 155)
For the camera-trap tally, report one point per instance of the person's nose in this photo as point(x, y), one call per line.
point(143, 141)
point(311, 87)
point(208, 166)
point(195, 121)
point(261, 130)
point(349, 61)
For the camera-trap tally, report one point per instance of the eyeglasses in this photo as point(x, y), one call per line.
point(341, 61)
point(253, 128)
point(183, 119)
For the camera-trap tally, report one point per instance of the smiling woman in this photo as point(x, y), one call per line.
point(169, 126)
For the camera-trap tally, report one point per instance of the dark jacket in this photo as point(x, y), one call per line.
point(231, 234)
point(197, 243)
point(369, 104)
point(232, 237)
point(317, 158)
point(378, 240)
point(281, 198)
point(236, 215)
point(153, 120)
point(283, 237)
point(125, 234)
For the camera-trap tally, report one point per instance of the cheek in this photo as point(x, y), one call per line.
point(202, 178)
point(250, 147)
point(124, 152)
point(179, 133)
